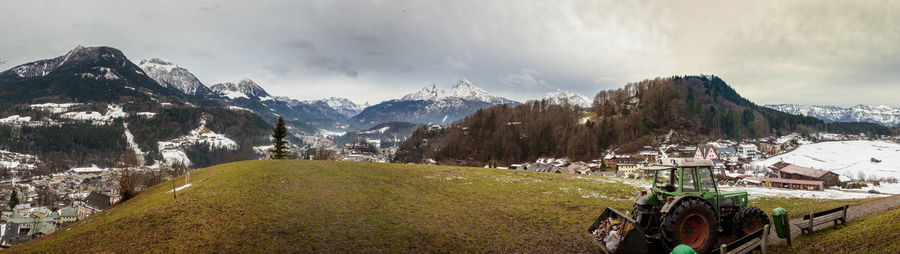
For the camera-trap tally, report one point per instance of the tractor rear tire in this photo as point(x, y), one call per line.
point(748, 220)
point(692, 223)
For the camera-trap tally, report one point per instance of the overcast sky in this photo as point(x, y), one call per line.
point(816, 52)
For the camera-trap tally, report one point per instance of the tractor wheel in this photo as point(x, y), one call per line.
point(748, 220)
point(692, 223)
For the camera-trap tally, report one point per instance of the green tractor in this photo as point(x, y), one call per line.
point(684, 206)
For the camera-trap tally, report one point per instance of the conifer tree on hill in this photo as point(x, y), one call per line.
point(280, 145)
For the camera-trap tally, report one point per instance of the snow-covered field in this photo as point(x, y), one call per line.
point(758, 192)
point(172, 150)
point(112, 112)
point(55, 108)
point(13, 160)
point(848, 158)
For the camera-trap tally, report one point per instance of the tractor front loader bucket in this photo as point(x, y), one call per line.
point(617, 233)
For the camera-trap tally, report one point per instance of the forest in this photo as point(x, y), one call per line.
point(71, 144)
point(693, 108)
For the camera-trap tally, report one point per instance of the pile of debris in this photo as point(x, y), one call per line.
point(609, 233)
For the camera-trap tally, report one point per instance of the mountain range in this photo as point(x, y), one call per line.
point(881, 114)
point(431, 105)
point(85, 82)
point(695, 108)
point(560, 96)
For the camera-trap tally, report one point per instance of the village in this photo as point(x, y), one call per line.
point(38, 205)
point(44, 203)
point(736, 164)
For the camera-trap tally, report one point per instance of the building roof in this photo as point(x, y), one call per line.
point(804, 171)
point(97, 201)
point(790, 181)
point(728, 149)
point(68, 212)
point(779, 165)
point(630, 161)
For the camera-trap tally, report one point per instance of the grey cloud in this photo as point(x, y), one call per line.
point(525, 78)
point(340, 66)
point(314, 57)
point(770, 51)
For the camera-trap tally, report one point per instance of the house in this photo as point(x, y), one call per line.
point(748, 151)
point(687, 151)
point(67, 216)
point(540, 167)
point(803, 173)
point(95, 202)
point(579, 168)
point(610, 161)
point(778, 166)
point(727, 153)
point(706, 153)
point(649, 154)
point(769, 148)
point(791, 183)
point(630, 165)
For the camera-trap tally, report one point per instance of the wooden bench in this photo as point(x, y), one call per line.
point(812, 220)
point(746, 244)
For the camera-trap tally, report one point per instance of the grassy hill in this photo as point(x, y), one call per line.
point(328, 206)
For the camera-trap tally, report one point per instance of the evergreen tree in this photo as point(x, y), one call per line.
point(13, 199)
point(280, 131)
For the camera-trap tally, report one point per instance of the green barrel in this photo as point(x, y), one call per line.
point(780, 227)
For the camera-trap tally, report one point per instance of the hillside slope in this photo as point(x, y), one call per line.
point(696, 108)
point(337, 207)
point(315, 206)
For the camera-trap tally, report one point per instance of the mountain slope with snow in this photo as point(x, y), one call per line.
point(430, 105)
point(169, 75)
point(881, 114)
point(344, 106)
point(560, 96)
point(847, 158)
point(82, 74)
point(245, 88)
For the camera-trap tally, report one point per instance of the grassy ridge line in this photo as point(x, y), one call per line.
point(341, 206)
point(328, 206)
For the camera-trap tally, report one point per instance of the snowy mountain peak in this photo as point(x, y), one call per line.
point(169, 75)
point(881, 114)
point(79, 56)
point(427, 93)
point(157, 63)
point(245, 88)
point(463, 89)
point(466, 90)
point(573, 98)
point(344, 106)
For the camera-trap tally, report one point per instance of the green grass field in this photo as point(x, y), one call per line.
point(879, 233)
point(328, 206)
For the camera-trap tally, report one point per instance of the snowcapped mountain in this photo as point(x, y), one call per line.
point(463, 89)
point(80, 55)
point(345, 107)
point(881, 114)
point(82, 74)
point(559, 96)
point(427, 93)
point(430, 105)
point(169, 75)
point(245, 88)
